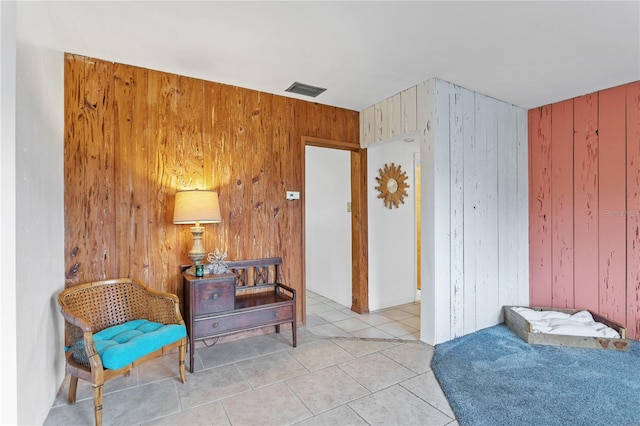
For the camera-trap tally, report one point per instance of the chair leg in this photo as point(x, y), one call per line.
point(73, 387)
point(97, 404)
point(182, 355)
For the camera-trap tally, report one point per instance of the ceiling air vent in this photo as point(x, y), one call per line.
point(305, 89)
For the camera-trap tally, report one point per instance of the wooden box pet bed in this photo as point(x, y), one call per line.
point(522, 327)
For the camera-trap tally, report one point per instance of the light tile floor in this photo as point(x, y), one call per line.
point(328, 318)
point(263, 380)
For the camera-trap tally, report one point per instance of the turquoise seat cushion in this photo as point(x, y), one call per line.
point(122, 344)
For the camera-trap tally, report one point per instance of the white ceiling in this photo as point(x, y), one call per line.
point(526, 53)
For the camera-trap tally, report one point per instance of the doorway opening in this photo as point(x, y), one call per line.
point(359, 227)
point(328, 223)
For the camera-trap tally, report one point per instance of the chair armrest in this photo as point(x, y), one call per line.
point(163, 307)
point(77, 321)
point(92, 354)
point(79, 328)
point(80, 347)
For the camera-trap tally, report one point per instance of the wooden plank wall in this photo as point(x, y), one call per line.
point(134, 136)
point(585, 204)
point(562, 201)
point(540, 203)
point(474, 174)
point(430, 256)
point(391, 117)
point(633, 205)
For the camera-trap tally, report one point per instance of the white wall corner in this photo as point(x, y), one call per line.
point(8, 271)
point(39, 224)
point(474, 213)
point(426, 119)
point(475, 242)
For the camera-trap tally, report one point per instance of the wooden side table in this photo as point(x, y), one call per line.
point(204, 297)
point(244, 299)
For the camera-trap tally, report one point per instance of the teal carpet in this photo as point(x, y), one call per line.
point(492, 377)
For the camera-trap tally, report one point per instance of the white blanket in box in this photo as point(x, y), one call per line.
point(553, 322)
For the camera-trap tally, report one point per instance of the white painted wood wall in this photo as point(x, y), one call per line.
point(474, 204)
point(389, 118)
point(392, 232)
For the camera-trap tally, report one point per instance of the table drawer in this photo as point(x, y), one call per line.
point(214, 296)
point(243, 320)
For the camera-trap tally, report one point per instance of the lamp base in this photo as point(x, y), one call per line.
point(197, 253)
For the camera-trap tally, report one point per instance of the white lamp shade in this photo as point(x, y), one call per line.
point(195, 206)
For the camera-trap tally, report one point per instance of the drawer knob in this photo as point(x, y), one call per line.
point(214, 296)
point(276, 314)
point(215, 325)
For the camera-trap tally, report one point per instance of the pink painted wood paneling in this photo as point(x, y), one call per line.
point(562, 204)
point(540, 206)
point(633, 209)
point(612, 206)
point(585, 198)
point(605, 158)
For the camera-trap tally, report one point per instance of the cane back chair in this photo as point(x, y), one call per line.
point(114, 325)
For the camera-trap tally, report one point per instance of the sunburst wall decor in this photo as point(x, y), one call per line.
point(391, 185)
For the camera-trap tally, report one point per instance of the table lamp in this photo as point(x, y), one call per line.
point(196, 207)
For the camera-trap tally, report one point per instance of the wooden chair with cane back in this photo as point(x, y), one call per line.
point(114, 325)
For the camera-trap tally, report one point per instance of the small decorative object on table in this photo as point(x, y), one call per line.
point(199, 270)
point(217, 263)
